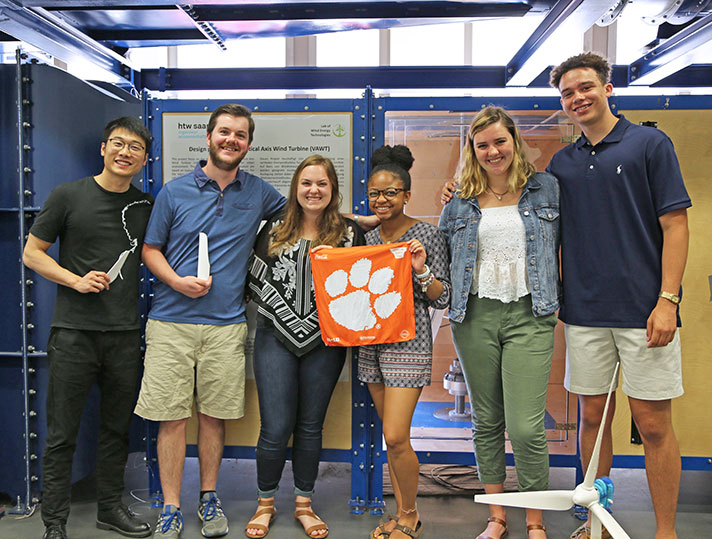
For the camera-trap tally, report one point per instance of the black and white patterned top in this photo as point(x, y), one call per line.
point(283, 289)
point(438, 260)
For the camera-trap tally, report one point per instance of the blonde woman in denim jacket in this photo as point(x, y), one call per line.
point(503, 230)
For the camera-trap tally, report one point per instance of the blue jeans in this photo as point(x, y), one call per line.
point(294, 394)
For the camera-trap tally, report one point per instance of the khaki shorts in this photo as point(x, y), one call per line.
point(183, 360)
point(648, 373)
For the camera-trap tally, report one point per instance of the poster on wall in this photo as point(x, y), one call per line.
point(281, 141)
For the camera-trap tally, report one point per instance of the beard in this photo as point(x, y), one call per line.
point(221, 163)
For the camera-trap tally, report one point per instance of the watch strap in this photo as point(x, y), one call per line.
point(673, 298)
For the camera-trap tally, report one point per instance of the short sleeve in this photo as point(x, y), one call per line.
point(665, 177)
point(159, 224)
point(51, 220)
point(272, 201)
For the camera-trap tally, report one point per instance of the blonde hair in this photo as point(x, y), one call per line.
point(332, 225)
point(471, 177)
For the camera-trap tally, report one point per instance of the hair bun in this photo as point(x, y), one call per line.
point(392, 155)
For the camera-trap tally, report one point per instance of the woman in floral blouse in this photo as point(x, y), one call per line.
point(295, 372)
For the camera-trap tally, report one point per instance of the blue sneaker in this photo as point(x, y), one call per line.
point(170, 523)
point(210, 511)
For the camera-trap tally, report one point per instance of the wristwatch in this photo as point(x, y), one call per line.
point(674, 298)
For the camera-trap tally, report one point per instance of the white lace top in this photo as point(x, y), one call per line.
point(500, 272)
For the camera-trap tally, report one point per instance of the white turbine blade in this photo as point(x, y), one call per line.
point(546, 500)
point(615, 529)
point(596, 529)
point(203, 257)
point(115, 270)
point(593, 463)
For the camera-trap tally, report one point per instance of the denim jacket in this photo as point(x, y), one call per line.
point(539, 209)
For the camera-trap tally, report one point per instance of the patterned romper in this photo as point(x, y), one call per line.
point(410, 363)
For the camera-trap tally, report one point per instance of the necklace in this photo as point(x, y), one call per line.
point(498, 195)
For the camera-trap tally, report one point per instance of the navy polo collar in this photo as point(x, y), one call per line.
point(616, 134)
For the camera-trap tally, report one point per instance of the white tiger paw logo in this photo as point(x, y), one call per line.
point(355, 311)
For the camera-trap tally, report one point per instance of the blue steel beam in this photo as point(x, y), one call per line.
point(360, 10)
point(307, 78)
point(390, 77)
point(695, 76)
point(689, 46)
point(43, 30)
point(158, 23)
point(22, 198)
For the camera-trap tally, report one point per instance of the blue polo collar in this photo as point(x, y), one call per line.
point(202, 179)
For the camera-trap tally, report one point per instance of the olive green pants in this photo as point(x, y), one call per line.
point(505, 353)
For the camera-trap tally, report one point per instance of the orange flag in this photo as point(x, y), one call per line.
point(364, 295)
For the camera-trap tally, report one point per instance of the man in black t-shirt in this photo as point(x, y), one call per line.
point(95, 337)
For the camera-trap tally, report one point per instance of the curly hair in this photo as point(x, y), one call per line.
point(471, 177)
point(332, 225)
point(394, 159)
point(587, 59)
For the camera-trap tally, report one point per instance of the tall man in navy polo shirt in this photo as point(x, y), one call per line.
point(624, 241)
point(196, 329)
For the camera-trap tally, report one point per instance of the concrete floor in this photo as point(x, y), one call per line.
point(446, 517)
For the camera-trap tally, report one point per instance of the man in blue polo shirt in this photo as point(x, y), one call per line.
point(624, 241)
point(196, 330)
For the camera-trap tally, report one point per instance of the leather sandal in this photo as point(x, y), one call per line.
point(499, 521)
point(381, 532)
point(410, 532)
point(532, 527)
point(305, 510)
point(263, 508)
point(584, 532)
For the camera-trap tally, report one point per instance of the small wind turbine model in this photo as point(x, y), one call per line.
point(592, 493)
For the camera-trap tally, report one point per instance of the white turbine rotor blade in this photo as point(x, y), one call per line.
point(615, 529)
point(203, 257)
point(115, 270)
point(546, 500)
point(593, 463)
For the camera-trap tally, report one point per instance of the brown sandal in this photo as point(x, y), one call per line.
point(263, 507)
point(306, 511)
point(531, 527)
point(380, 530)
point(410, 532)
point(499, 521)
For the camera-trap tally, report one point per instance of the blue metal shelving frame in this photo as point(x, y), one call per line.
point(367, 455)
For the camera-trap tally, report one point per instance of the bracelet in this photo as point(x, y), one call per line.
point(425, 283)
point(424, 275)
point(355, 219)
